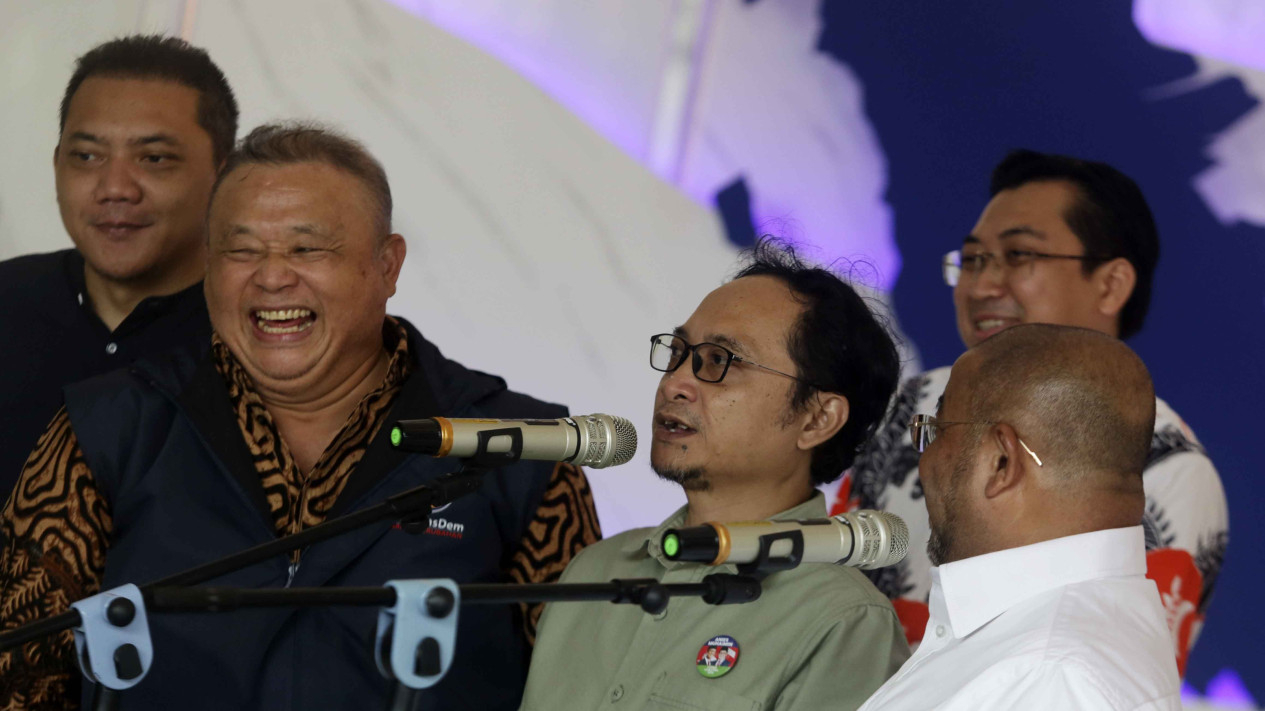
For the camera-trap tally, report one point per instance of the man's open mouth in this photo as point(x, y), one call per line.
point(280, 321)
point(673, 426)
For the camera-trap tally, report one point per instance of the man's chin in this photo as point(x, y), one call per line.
point(690, 479)
point(120, 271)
point(938, 549)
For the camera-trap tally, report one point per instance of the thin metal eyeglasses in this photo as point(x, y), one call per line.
point(954, 264)
point(923, 430)
point(710, 363)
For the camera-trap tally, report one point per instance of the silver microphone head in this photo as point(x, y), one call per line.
point(879, 538)
point(605, 441)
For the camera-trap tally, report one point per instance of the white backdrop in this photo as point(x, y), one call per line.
point(537, 249)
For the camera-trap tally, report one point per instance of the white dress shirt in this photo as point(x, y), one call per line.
point(1070, 623)
point(1186, 518)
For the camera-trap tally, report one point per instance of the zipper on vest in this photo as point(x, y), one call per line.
point(294, 568)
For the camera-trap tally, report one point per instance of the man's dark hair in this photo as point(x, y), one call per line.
point(1110, 217)
point(169, 59)
point(838, 346)
point(291, 143)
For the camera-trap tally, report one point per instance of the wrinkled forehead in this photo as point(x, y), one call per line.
point(257, 195)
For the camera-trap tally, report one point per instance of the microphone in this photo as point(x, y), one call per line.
point(593, 441)
point(862, 539)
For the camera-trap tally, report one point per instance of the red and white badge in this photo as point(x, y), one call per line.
point(717, 656)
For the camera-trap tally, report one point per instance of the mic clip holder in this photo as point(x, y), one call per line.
point(112, 642)
point(469, 478)
point(764, 564)
point(417, 635)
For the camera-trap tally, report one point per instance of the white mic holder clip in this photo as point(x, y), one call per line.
point(112, 642)
point(417, 635)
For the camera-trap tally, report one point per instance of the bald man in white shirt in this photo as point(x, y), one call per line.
point(1032, 467)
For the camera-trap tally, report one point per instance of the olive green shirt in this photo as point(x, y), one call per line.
point(820, 636)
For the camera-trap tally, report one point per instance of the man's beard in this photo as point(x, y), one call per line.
point(689, 479)
point(941, 546)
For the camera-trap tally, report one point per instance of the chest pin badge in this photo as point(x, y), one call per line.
point(717, 656)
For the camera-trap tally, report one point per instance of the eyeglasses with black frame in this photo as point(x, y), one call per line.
point(710, 362)
point(955, 264)
point(923, 430)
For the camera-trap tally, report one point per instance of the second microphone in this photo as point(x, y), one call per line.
point(862, 539)
point(593, 441)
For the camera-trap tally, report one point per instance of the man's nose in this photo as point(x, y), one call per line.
point(117, 182)
point(274, 272)
point(680, 383)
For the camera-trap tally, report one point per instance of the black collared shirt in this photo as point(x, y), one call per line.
point(50, 337)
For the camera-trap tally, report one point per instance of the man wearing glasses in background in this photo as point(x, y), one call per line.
point(768, 390)
point(1032, 468)
point(1069, 242)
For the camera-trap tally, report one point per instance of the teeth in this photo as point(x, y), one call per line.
point(269, 328)
point(283, 315)
point(988, 324)
point(675, 426)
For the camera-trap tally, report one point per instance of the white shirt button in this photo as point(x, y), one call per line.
point(939, 630)
point(112, 348)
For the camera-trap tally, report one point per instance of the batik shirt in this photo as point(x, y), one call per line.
point(55, 529)
point(1186, 520)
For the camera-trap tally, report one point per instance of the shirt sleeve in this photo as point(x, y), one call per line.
point(54, 532)
point(1187, 530)
point(857, 653)
point(1058, 686)
point(564, 524)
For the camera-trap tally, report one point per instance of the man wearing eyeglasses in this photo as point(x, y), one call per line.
point(767, 390)
point(1032, 469)
point(1070, 242)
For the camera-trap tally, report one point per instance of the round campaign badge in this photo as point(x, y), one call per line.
point(718, 656)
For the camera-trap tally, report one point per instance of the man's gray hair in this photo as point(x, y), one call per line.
point(289, 143)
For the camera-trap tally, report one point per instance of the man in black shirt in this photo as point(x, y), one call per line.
point(146, 122)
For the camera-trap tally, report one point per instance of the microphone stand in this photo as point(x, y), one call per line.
point(411, 508)
point(417, 622)
point(408, 506)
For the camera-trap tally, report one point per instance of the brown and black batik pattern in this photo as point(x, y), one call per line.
point(565, 523)
point(300, 500)
point(55, 529)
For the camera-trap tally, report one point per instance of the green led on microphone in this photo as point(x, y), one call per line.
point(671, 545)
point(396, 436)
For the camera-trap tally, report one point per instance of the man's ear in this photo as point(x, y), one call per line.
point(1114, 281)
point(827, 413)
point(391, 254)
point(1009, 463)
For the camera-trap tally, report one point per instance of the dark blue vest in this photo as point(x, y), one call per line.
point(166, 450)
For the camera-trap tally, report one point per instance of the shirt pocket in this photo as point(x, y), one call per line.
point(674, 693)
